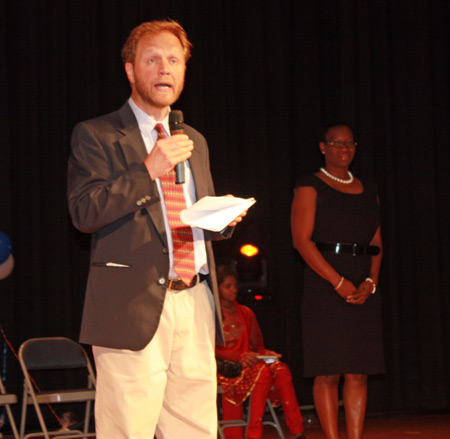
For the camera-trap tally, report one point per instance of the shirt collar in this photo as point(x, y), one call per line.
point(146, 122)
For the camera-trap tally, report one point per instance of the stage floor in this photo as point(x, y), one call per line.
point(381, 427)
point(417, 426)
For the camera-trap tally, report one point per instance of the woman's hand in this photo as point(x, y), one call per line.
point(361, 294)
point(346, 289)
point(249, 359)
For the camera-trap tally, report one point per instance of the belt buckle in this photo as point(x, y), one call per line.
point(176, 285)
point(356, 250)
point(179, 284)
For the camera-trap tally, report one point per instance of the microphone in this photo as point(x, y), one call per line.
point(176, 127)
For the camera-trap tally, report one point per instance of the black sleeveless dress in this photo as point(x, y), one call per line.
point(339, 337)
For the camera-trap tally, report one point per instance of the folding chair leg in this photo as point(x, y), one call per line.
point(86, 417)
point(38, 413)
point(23, 415)
point(220, 432)
point(12, 422)
point(276, 422)
point(41, 421)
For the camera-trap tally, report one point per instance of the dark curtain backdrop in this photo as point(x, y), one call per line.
point(265, 76)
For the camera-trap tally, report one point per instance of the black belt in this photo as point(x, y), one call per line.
point(179, 285)
point(354, 249)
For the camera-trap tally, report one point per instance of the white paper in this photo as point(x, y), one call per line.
point(215, 213)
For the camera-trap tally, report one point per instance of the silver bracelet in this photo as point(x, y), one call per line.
point(340, 283)
point(374, 288)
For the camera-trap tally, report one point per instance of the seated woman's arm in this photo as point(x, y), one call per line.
point(227, 354)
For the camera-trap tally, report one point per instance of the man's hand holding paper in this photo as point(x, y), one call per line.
point(216, 213)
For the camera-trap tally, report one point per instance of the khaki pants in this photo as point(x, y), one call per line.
point(170, 386)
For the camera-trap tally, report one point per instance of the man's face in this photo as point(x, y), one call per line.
point(157, 75)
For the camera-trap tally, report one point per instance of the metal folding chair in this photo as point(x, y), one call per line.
point(273, 422)
point(55, 354)
point(5, 400)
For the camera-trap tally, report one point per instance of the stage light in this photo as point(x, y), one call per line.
point(249, 250)
point(251, 267)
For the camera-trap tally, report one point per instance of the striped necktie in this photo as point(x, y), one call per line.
point(183, 242)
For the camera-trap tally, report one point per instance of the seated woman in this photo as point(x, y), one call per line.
point(244, 343)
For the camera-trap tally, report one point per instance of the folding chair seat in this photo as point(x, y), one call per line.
point(5, 400)
point(273, 422)
point(55, 355)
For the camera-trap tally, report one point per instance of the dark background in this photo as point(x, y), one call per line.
point(263, 79)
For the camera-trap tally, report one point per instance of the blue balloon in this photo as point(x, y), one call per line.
point(5, 247)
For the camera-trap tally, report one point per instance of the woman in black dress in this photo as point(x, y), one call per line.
point(335, 228)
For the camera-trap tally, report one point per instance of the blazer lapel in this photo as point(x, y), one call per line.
point(134, 151)
point(196, 163)
point(132, 144)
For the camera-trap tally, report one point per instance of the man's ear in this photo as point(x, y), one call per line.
point(130, 72)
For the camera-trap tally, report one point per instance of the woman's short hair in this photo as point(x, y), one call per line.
point(327, 128)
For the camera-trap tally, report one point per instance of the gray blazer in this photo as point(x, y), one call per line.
point(111, 196)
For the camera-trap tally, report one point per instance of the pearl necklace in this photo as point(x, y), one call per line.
point(339, 180)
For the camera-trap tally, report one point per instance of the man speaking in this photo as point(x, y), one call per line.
point(151, 309)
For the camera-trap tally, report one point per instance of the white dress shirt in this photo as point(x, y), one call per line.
point(150, 136)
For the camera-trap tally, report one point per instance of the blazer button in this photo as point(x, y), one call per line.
point(148, 197)
point(143, 200)
point(162, 280)
point(139, 202)
point(165, 250)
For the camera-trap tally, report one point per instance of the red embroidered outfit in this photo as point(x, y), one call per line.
point(243, 334)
